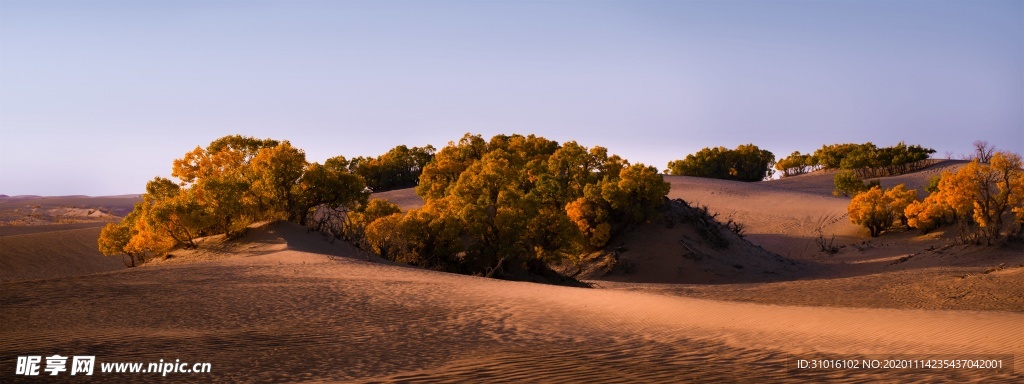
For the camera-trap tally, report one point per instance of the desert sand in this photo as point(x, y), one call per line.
point(283, 304)
point(48, 237)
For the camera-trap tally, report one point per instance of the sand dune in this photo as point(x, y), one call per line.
point(266, 311)
point(783, 221)
point(47, 237)
point(50, 254)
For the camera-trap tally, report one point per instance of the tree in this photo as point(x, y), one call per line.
point(933, 184)
point(510, 204)
point(359, 220)
point(848, 184)
point(796, 164)
point(181, 217)
point(590, 214)
point(900, 198)
point(745, 163)
point(322, 187)
point(868, 160)
point(383, 238)
point(276, 172)
point(637, 193)
point(928, 214)
point(222, 178)
point(983, 151)
point(494, 211)
point(448, 165)
point(985, 200)
point(877, 209)
point(114, 238)
point(400, 167)
point(871, 210)
point(431, 237)
point(233, 182)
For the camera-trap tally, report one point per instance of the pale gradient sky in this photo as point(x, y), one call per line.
point(97, 97)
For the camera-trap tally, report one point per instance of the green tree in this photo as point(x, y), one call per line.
point(796, 164)
point(848, 184)
point(745, 163)
point(400, 167)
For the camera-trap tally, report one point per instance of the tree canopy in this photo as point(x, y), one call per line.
point(509, 204)
point(986, 201)
point(223, 188)
point(865, 160)
point(878, 209)
point(745, 163)
point(399, 168)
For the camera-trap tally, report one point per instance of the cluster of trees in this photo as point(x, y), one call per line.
point(497, 207)
point(513, 203)
point(745, 163)
point(398, 168)
point(223, 188)
point(865, 160)
point(985, 201)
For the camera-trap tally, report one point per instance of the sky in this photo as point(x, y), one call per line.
point(98, 97)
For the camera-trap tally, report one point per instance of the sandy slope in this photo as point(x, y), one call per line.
point(60, 238)
point(784, 215)
point(781, 220)
point(49, 254)
point(265, 310)
point(405, 198)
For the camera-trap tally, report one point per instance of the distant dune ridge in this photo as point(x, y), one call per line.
point(38, 210)
point(284, 304)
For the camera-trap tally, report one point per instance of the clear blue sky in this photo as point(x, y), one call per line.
point(97, 97)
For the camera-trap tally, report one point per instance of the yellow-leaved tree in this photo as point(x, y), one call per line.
point(986, 201)
point(878, 209)
point(223, 188)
